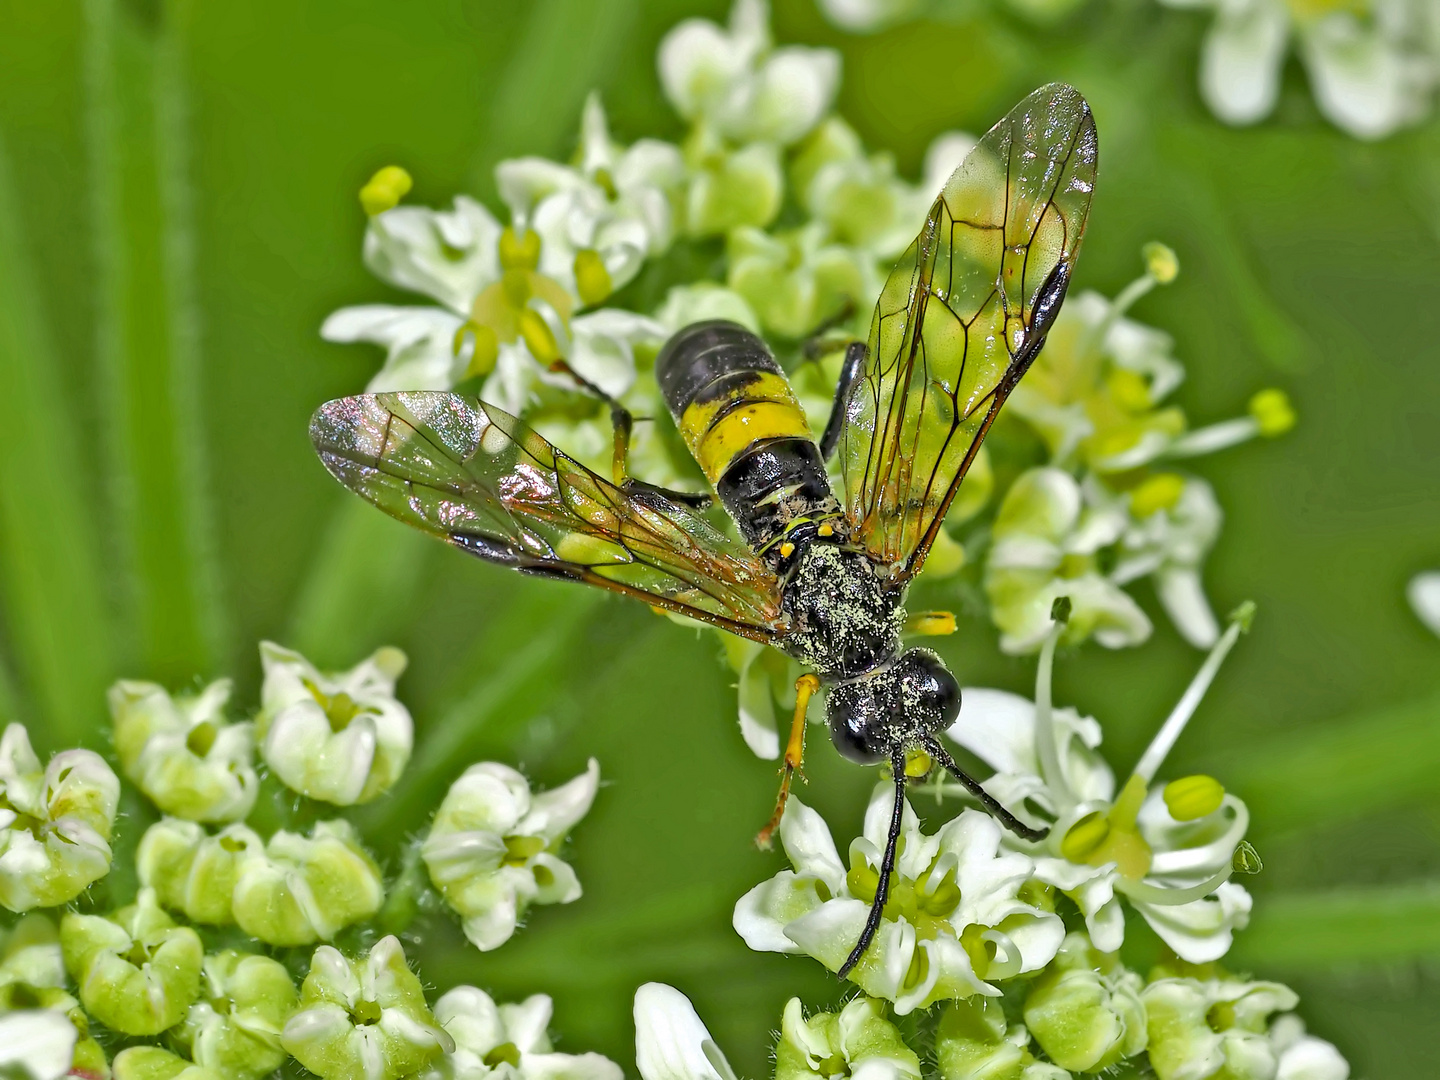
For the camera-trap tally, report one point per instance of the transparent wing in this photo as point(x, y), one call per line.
point(961, 318)
point(486, 482)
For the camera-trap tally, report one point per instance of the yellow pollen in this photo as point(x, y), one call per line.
point(1193, 797)
point(1158, 492)
point(1273, 412)
point(787, 549)
point(385, 189)
point(826, 529)
point(931, 623)
point(592, 280)
point(519, 252)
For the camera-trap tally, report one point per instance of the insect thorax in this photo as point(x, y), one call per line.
point(844, 620)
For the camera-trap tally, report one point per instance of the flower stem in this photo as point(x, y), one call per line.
point(1045, 748)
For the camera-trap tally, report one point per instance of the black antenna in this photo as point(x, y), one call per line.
point(887, 867)
point(1005, 817)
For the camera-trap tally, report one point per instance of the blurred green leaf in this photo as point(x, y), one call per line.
point(148, 357)
point(1338, 770)
point(1383, 924)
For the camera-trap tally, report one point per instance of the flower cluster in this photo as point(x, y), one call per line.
point(1373, 64)
point(201, 960)
point(796, 225)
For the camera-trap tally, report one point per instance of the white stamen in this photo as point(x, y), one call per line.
point(1169, 732)
point(1214, 437)
point(1045, 748)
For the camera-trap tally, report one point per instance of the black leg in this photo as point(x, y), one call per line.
point(887, 867)
point(854, 364)
point(623, 424)
point(1005, 817)
point(816, 346)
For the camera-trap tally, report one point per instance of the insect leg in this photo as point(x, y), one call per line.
point(623, 424)
point(887, 867)
point(805, 687)
point(1005, 817)
point(854, 364)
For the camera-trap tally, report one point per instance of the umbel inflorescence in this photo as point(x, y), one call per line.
point(249, 945)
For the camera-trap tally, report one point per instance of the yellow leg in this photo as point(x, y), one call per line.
point(805, 688)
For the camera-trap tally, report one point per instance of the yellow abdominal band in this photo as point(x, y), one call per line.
point(720, 428)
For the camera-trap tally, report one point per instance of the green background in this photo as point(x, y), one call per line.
point(178, 214)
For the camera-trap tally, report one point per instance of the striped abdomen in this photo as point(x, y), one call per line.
point(745, 427)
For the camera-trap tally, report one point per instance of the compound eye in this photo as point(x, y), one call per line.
point(857, 726)
point(931, 690)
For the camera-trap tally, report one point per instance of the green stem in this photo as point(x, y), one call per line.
point(361, 588)
point(147, 342)
point(50, 578)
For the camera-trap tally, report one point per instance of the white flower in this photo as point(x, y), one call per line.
point(735, 81)
point(492, 849)
point(954, 919)
point(617, 205)
point(508, 296)
point(181, 752)
point(1169, 851)
point(1045, 541)
point(1303, 1056)
point(1171, 543)
point(671, 1041)
point(1423, 593)
point(55, 823)
point(507, 1042)
point(868, 16)
point(1370, 64)
point(342, 737)
point(36, 1044)
point(858, 1041)
point(1214, 1026)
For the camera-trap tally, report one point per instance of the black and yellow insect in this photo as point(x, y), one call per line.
point(821, 575)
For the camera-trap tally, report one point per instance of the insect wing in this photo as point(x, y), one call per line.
point(489, 484)
point(960, 319)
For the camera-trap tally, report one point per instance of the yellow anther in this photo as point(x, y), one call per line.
point(385, 189)
point(1273, 412)
point(519, 252)
point(538, 337)
point(787, 549)
point(917, 763)
point(1160, 491)
point(931, 623)
point(1129, 389)
point(592, 280)
point(1085, 836)
point(1193, 797)
point(826, 529)
point(487, 348)
point(1161, 262)
point(518, 287)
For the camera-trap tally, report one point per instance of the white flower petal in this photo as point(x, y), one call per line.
point(671, 1042)
point(36, 1043)
point(809, 845)
point(1423, 592)
point(1362, 82)
point(449, 256)
point(1241, 59)
point(1200, 931)
point(1183, 597)
point(553, 813)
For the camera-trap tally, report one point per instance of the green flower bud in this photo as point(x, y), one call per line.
point(54, 823)
point(305, 889)
point(154, 1063)
point(235, 1026)
point(732, 188)
point(1084, 1009)
point(859, 1037)
point(363, 1018)
point(974, 1043)
point(182, 754)
point(793, 280)
point(1214, 1027)
point(30, 961)
point(1161, 262)
point(194, 872)
point(137, 971)
point(342, 737)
